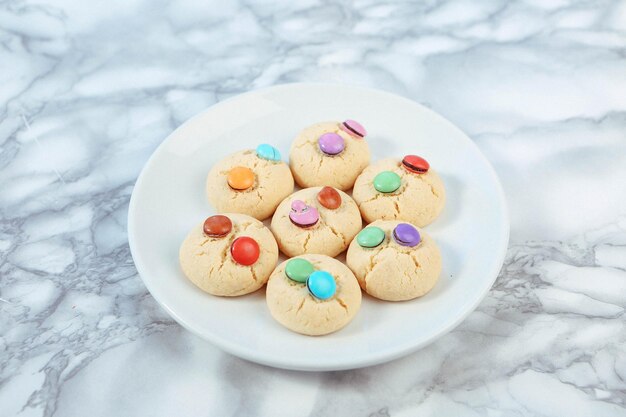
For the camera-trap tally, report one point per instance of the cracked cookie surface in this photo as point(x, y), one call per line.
point(272, 183)
point(311, 167)
point(291, 304)
point(419, 200)
point(393, 272)
point(207, 261)
point(330, 236)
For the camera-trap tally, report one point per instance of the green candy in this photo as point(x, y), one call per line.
point(370, 237)
point(387, 182)
point(299, 269)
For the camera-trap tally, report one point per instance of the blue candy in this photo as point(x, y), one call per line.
point(321, 285)
point(268, 152)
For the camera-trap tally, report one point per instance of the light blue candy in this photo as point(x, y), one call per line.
point(321, 285)
point(268, 152)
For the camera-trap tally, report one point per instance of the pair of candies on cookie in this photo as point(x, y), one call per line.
point(389, 181)
point(333, 144)
point(404, 234)
point(304, 215)
point(244, 250)
point(241, 178)
point(320, 284)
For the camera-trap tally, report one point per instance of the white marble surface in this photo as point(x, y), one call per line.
point(88, 89)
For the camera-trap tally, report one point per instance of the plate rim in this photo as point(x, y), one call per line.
point(374, 358)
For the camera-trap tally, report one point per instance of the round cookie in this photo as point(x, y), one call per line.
point(251, 182)
point(393, 271)
point(293, 304)
point(332, 217)
point(329, 153)
point(229, 254)
point(391, 190)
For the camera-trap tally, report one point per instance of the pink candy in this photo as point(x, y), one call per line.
point(353, 128)
point(303, 215)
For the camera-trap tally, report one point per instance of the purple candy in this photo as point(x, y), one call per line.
point(331, 143)
point(406, 235)
point(354, 128)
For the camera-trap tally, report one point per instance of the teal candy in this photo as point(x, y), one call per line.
point(299, 269)
point(321, 285)
point(387, 182)
point(268, 152)
point(370, 237)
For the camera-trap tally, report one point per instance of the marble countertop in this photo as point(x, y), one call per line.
point(89, 89)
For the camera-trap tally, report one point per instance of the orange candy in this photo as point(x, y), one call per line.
point(329, 198)
point(240, 178)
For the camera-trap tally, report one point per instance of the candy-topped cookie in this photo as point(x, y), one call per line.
point(313, 295)
point(251, 182)
point(406, 189)
point(394, 260)
point(316, 220)
point(229, 254)
point(329, 153)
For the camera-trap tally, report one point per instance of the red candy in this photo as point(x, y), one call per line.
point(415, 164)
point(245, 250)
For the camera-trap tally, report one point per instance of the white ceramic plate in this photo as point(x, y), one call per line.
point(169, 199)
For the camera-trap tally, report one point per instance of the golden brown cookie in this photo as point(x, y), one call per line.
point(293, 303)
point(394, 261)
point(328, 154)
point(388, 190)
point(229, 254)
point(248, 182)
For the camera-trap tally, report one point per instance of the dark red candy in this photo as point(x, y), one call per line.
point(329, 198)
point(245, 250)
point(416, 164)
point(217, 226)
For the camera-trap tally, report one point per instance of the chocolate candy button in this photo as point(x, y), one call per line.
point(370, 237)
point(298, 269)
point(387, 182)
point(268, 152)
point(240, 178)
point(329, 198)
point(415, 164)
point(353, 128)
point(217, 226)
point(302, 215)
point(331, 144)
point(321, 285)
point(406, 235)
point(245, 250)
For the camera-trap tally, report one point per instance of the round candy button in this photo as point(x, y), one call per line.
point(370, 237)
point(353, 128)
point(406, 235)
point(415, 164)
point(329, 198)
point(331, 144)
point(321, 285)
point(245, 250)
point(302, 215)
point(268, 152)
point(240, 178)
point(298, 269)
point(387, 182)
point(217, 226)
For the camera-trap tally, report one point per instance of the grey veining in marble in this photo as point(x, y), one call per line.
point(88, 89)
